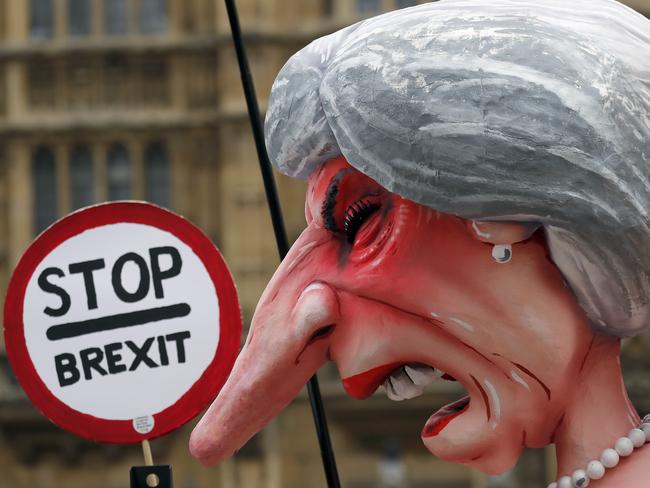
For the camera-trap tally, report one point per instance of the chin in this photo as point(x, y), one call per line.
point(490, 450)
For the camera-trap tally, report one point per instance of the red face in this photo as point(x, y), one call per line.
point(397, 294)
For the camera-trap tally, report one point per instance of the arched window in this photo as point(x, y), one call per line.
point(79, 17)
point(157, 175)
point(82, 181)
point(119, 173)
point(153, 16)
point(44, 196)
point(116, 16)
point(41, 19)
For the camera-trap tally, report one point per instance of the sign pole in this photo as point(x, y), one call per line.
point(318, 411)
point(146, 450)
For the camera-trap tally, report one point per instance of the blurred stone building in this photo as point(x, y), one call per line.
point(141, 99)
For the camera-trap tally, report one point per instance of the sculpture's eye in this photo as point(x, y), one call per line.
point(355, 215)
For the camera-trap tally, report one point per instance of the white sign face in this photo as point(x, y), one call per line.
point(118, 321)
point(115, 329)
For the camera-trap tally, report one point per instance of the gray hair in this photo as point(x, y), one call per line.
point(535, 111)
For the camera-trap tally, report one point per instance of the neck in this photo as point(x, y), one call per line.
point(599, 411)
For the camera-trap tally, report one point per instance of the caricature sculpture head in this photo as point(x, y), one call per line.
point(427, 136)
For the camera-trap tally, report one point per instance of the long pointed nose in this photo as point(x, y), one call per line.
point(288, 341)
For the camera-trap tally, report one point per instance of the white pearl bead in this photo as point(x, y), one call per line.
point(595, 470)
point(565, 482)
point(646, 430)
point(637, 436)
point(552, 485)
point(580, 479)
point(646, 419)
point(624, 446)
point(609, 458)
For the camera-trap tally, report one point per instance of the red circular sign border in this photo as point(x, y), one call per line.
point(193, 400)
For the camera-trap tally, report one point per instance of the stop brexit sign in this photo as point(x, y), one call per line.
point(122, 322)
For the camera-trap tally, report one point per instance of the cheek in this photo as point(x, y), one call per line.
point(436, 257)
point(531, 318)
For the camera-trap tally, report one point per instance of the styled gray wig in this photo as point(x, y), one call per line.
point(518, 110)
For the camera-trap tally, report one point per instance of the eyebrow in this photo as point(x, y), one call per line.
point(329, 204)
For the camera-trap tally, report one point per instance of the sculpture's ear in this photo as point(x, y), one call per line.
point(501, 232)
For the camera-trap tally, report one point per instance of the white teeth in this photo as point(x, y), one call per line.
point(390, 392)
point(409, 381)
point(422, 375)
point(404, 386)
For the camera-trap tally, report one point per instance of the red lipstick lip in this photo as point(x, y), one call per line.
point(362, 385)
point(440, 419)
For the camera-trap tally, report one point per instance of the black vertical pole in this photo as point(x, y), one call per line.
point(327, 454)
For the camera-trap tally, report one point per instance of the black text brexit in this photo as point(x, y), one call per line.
point(118, 357)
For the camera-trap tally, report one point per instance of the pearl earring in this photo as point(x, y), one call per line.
point(502, 253)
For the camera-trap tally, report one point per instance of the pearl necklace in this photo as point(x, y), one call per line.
point(609, 458)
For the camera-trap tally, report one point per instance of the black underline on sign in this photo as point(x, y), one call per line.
point(117, 321)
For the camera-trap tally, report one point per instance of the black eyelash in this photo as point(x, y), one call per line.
point(356, 215)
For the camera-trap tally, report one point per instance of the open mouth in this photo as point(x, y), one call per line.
point(403, 382)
